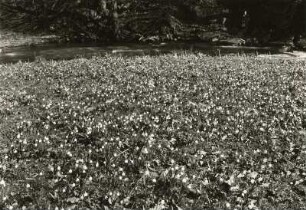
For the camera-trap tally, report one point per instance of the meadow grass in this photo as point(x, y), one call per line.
point(173, 131)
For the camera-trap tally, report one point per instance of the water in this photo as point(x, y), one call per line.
point(66, 52)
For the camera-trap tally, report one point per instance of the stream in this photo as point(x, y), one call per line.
point(66, 52)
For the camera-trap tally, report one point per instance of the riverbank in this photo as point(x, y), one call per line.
point(10, 39)
point(16, 47)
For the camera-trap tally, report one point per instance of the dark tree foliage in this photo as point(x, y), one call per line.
point(268, 20)
point(107, 20)
point(113, 20)
point(94, 19)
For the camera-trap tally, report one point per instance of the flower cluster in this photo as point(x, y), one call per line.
point(184, 130)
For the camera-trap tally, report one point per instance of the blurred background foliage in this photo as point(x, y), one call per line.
point(158, 20)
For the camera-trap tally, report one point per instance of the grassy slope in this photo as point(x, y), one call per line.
point(175, 130)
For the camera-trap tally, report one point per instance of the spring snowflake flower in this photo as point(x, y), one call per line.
point(2, 182)
point(205, 182)
point(252, 204)
point(145, 150)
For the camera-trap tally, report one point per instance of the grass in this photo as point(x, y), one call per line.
point(179, 131)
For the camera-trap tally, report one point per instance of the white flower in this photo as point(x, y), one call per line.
point(2, 182)
point(89, 130)
point(205, 182)
point(251, 205)
point(145, 150)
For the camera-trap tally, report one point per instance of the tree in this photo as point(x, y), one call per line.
point(268, 20)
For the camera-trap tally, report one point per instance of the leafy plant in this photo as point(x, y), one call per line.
point(172, 131)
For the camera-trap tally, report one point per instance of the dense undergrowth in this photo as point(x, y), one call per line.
point(171, 131)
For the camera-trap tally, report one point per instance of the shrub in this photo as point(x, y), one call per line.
point(101, 19)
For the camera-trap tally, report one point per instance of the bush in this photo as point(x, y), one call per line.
point(74, 19)
point(104, 20)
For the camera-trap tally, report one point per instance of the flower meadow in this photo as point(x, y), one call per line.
point(176, 131)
